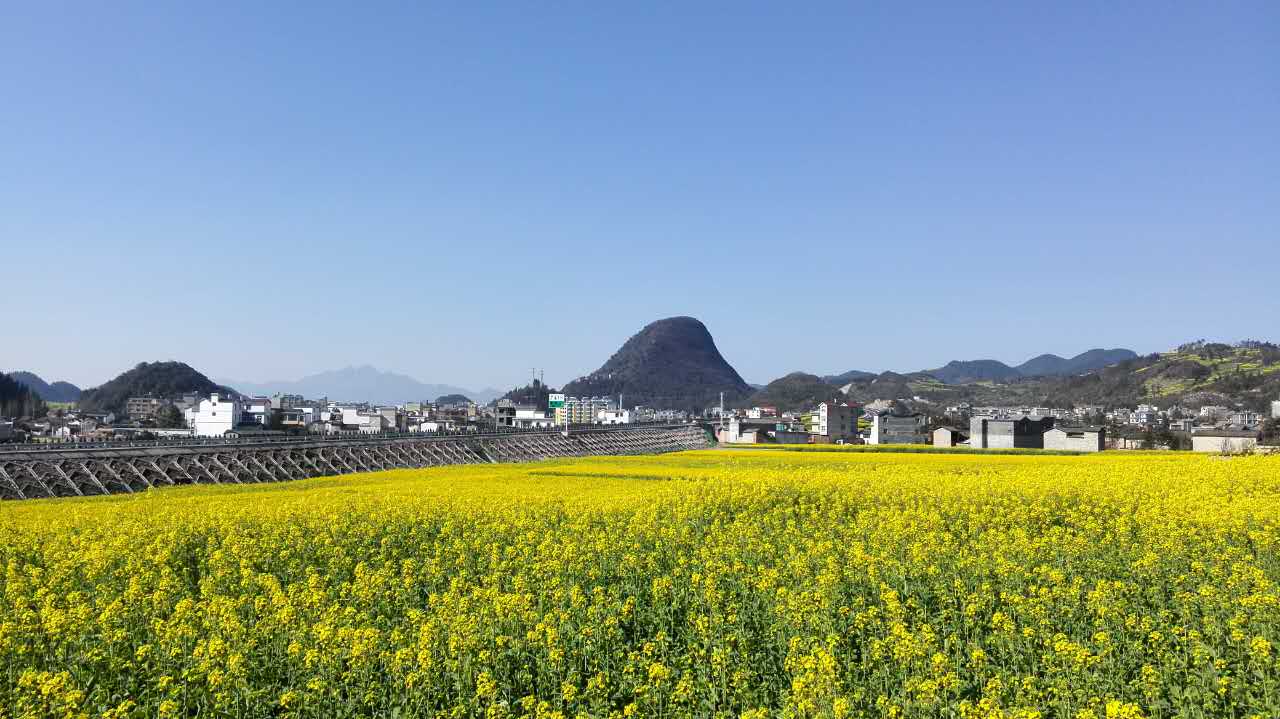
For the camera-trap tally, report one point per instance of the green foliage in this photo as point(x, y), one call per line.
point(159, 379)
point(56, 392)
point(18, 400)
point(536, 394)
point(170, 417)
point(796, 391)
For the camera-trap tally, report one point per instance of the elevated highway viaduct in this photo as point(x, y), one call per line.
point(70, 471)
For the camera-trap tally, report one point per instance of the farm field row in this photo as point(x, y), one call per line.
point(712, 583)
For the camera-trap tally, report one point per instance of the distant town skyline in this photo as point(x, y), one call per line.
point(461, 194)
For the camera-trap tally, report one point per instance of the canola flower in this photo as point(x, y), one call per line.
point(707, 584)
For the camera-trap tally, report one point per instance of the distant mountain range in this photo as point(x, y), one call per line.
point(850, 376)
point(670, 364)
point(989, 370)
point(674, 364)
point(55, 392)
point(797, 389)
point(1046, 365)
point(1196, 374)
point(362, 384)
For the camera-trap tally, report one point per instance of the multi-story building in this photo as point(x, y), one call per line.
point(288, 401)
point(504, 413)
point(836, 421)
point(143, 407)
point(581, 410)
point(897, 429)
point(215, 416)
point(990, 432)
point(259, 408)
point(1146, 415)
point(1246, 418)
point(1214, 412)
point(300, 417)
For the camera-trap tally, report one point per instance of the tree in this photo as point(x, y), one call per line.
point(1271, 431)
point(18, 401)
point(170, 417)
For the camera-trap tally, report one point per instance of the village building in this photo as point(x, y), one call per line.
point(1225, 441)
point(1076, 438)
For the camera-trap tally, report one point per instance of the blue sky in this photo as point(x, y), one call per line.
point(461, 192)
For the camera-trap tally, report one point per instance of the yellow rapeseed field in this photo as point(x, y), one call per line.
point(708, 584)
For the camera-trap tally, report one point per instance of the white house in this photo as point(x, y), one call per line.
point(613, 416)
point(1078, 439)
point(259, 410)
point(1226, 441)
point(532, 418)
point(739, 433)
point(214, 416)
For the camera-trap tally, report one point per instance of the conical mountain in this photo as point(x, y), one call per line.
point(670, 364)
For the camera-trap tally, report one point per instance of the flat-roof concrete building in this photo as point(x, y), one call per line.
point(1077, 439)
point(1226, 441)
point(1021, 432)
point(897, 429)
point(836, 421)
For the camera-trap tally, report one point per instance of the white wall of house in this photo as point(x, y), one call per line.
point(214, 416)
point(1088, 441)
point(1225, 445)
point(613, 416)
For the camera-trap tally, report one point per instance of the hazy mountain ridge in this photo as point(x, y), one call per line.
point(1045, 365)
point(362, 384)
point(50, 392)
